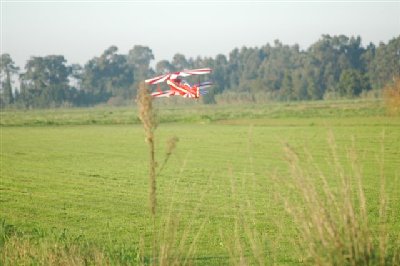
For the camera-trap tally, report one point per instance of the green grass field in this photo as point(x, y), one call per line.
point(79, 178)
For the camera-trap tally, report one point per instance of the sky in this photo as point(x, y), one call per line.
point(81, 30)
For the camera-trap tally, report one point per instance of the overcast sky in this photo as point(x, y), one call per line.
point(80, 30)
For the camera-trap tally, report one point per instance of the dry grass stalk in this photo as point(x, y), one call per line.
point(170, 247)
point(383, 237)
point(333, 223)
point(148, 117)
point(178, 241)
point(171, 145)
point(23, 251)
point(246, 246)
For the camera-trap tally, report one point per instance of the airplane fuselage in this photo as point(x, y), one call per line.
point(184, 90)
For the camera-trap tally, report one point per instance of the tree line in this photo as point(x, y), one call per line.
point(332, 67)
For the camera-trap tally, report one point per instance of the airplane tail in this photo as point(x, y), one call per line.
point(201, 88)
point(203, 92)
point(204, 85)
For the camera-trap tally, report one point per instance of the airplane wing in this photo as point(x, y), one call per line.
point(175, 75)
point(159, 94)
point(158, 79)
point(199, 71)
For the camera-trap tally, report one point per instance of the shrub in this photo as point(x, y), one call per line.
point(391, 94)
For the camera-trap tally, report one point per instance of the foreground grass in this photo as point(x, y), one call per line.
point(42, 249)
point(84, 189)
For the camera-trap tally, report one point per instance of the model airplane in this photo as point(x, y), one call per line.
point(181, 87)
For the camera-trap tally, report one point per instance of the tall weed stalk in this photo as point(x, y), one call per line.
point(148, 117)
point(170, 246)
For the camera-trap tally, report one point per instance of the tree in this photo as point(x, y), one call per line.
point(45, 81)
point(352, 83)
point(312, 89)
point(139, 58)
point(164, 67)
point(299, 85)
point(233, 70)
point(331, 55)
point(277, 61)
point(384, 63)
point(107, 76)
point(179, 62)
point(332, 66)
point(7, 69)
point(220, 73)
point(286, 90)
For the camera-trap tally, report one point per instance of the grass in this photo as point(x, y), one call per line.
point(275, 113)
point(42, 249)
point(89, 183)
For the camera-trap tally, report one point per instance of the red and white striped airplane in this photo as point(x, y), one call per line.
point(181, 87)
